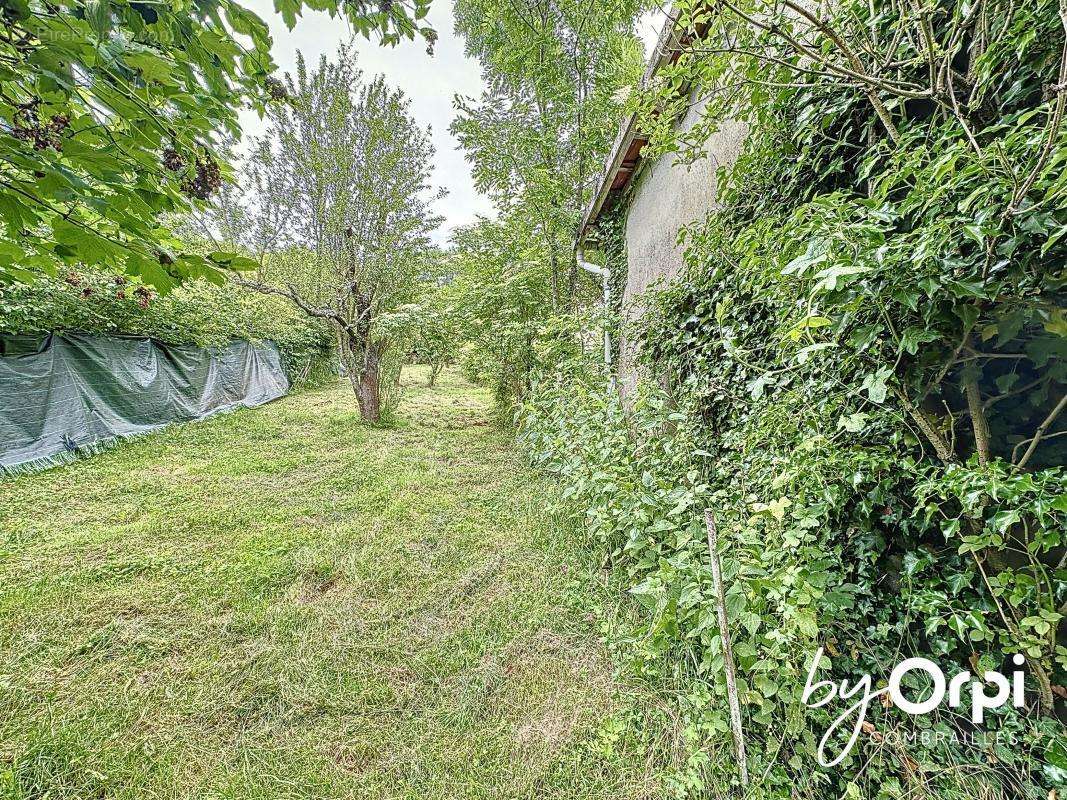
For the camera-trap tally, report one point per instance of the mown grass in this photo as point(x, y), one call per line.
point(284, 603)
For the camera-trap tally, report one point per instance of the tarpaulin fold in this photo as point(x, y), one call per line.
point(67, 393)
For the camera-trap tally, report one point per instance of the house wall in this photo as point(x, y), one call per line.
point(666, 197)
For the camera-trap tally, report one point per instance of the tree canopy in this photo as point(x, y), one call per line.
point(536, 137)
point(343, 178)
point(111, 116)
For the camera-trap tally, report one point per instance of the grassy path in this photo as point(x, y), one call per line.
point(282, 603)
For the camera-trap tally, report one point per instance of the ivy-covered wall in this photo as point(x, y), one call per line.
point(865, 378)
point(639, 233)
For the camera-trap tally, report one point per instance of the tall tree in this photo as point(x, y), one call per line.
point(351, 169)
point(537, 135)
point(110, 112)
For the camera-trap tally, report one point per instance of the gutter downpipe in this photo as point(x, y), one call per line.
point(605, 275)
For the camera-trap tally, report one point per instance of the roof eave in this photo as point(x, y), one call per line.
point(623, 159)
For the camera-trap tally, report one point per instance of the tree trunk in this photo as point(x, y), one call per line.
point(362, 362)
point(367, 388)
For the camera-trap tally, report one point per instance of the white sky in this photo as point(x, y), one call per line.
point(430, 82)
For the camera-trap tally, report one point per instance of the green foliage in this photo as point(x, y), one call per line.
point(197, 312)
point(344, 173)
point(500, 299)
point(865, 379)
point(828, 540)
point(556, 75)
point(110, 112)
point(537, 135)
point(502, 294)
point(435, 332)
point(611, 227)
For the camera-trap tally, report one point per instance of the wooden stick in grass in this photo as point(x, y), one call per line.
point(727, 649)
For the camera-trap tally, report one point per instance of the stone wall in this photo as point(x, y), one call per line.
point(665, 197)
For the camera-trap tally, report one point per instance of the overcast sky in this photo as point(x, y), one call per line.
point(430, 82)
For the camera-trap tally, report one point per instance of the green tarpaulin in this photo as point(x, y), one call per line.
point(66, 393)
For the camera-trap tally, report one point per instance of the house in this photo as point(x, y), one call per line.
point(660, 197)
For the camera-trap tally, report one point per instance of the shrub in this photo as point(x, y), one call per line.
point(827, 541)
point(864, 376)
point(197, 312)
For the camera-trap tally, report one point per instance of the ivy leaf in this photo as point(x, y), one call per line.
point(806, 352)
point(875, 385)
point(915, 561)
point(1057, 322)
point(806, 623)
point(853, 423)
point(968, 313)
point(802, 263)
point(757, 386)
point(829, 278)
point(957, 581)
point(1003, 520)
point(914, 336)
point(1056, 754)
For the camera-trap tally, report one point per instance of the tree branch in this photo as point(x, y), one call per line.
point(1055, 119)
point(290, 294)
point(1039, 433)
point(941, 445)
point(979, 423)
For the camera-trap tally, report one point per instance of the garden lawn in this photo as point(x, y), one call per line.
point(282, 603)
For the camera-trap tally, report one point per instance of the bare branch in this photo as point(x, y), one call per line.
point(290, 294)
point(1039, 434)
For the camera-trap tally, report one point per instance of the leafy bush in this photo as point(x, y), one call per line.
point(197, 312)
point(500, 296)
point(865, 374)
point(111, 111)
point(828, 541)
